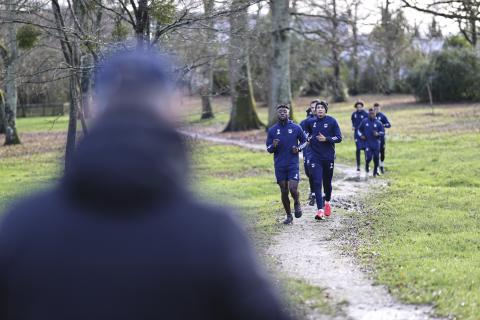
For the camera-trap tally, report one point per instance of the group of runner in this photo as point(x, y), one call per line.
point(369, 136)
point(316, 137)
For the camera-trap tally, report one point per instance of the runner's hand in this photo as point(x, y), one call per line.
point(321, 138)
point(275, 142)
point(363, 137)
point(294, 149)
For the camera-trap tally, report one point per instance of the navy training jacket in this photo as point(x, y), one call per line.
point(328, 127)
point(357, 118)
point(384, 120)
point(367, 129)
point(289, 135)
point(307, 151)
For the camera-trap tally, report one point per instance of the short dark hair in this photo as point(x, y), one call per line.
point(283, 106)
point(315, 101)
point(371, 109)
point(322, 103)
point(376, 104)
point(359, 102)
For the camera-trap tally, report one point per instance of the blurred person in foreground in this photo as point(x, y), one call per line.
point(120, 237)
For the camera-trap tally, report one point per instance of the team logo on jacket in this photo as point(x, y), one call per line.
point(361, 116)
point(290, 130)
point(314, 124)
point(366, 125)
point(375, 125)
point(278, 131)
point(325, 125)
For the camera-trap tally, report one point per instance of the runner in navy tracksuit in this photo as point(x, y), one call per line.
point(371, 130)
point(283, 141)
point(386, 124)
point(307, 152)
point(324, 132)
point(357, 118)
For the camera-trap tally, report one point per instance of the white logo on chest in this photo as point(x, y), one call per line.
point(325, 125)
point(314, 124)
point(366, 125)
point(278, 131)
point(290, 130)
point(375, 125)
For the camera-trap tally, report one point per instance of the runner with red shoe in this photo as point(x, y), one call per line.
point(325, 133)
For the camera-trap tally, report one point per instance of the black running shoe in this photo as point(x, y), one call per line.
point(312, 200)
point(298, 210)
point(288, 220)
point(382, 170)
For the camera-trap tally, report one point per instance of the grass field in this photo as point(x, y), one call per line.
point(424, 227)
point(426, 224)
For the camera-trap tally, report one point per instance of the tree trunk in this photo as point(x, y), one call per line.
point(243, 114)
point(11, 134)
point(356, 68)
point(280, 89)
point(74, 84)
point(338, 89)
point(207, 69)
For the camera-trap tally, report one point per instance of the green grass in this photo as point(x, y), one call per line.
point(245, 180)
point(46, 124)
point(423, 233)
point(23, 175)
point(426, 225)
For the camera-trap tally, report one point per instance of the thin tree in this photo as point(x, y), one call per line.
point(280, 88)
point(466, 13)
point(71, 53)
point(243, 115)
point(207, 70)
point(9, 55)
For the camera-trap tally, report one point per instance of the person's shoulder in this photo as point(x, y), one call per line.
point(212, 219)
point(331, 119)
point(273, 128)
point(25, 216)
point(297, 126)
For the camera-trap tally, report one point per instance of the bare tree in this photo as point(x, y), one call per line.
point(71, 53)
point(280, 88)
point(390, 38)
point(332, 29)
point(353, 19)
point(243, 115)
point(207, 70)
point(465, 12)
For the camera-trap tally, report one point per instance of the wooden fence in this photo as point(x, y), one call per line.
point(41, 109)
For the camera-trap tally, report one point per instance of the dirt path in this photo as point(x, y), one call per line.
point(307, 250)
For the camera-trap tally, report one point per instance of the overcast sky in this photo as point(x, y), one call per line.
point(371, 10)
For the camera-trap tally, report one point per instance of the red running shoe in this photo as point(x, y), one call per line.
point(320, 215)
point(328, 209)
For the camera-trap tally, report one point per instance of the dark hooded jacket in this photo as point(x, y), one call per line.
point(121, 238)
